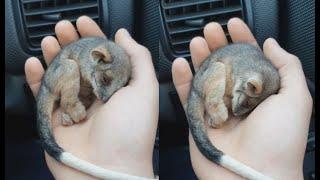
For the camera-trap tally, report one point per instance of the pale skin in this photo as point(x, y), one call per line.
point(272, 139)
point(118, 135)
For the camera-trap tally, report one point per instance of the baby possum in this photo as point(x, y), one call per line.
point(234, 79)
point(87, 69)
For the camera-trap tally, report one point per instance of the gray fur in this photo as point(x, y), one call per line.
point(87, 69)
point(223, 85)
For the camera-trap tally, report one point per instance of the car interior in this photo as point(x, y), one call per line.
point(166, 28)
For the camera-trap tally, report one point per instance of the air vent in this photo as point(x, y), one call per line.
point(40, 16)
point(185, 19)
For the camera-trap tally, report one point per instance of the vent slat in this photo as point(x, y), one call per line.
point(181, 41)
point(38, 23)
point(184, 29)
point(186, 3)
point(212, 12)
point(182, 51)
point(43, 34)
point(33, 1)
point(185, 19)
point(40, 16)
point(52, 10)
point(186, 55)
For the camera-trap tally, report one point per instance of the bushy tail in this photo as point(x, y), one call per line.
point(195, 114)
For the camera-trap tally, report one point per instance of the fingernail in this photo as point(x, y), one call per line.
point(84, 16)
point(179, 59)
point(234, 20)
point(273, 41)
point(125, 32)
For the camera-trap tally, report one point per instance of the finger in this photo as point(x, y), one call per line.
point(87, 27)
point(199, 51)
point(277, 55)
point(215, 36)
point(240, 32)
point(141, 61)
point(34, 72)
point(66, 33)
point(288, 65)
point(50, 48)
point(182, 78)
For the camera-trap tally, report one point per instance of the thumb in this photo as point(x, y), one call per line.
point(141, 61)
point(288, 65)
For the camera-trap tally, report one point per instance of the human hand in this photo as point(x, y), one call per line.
point(272, 138)
point(118, 135)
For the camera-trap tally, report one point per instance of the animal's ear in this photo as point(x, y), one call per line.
point(101, 53)
point(254, 86)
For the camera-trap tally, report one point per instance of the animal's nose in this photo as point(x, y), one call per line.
point(105, 99)
point(106, 79)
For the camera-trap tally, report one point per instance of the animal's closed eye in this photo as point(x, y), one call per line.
point(106, 80)
point(101, 61)
point(246, 103)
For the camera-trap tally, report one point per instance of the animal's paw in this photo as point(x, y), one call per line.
point(66, 119)
point(217, 116)
point(78, 112)
point(215, 123)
